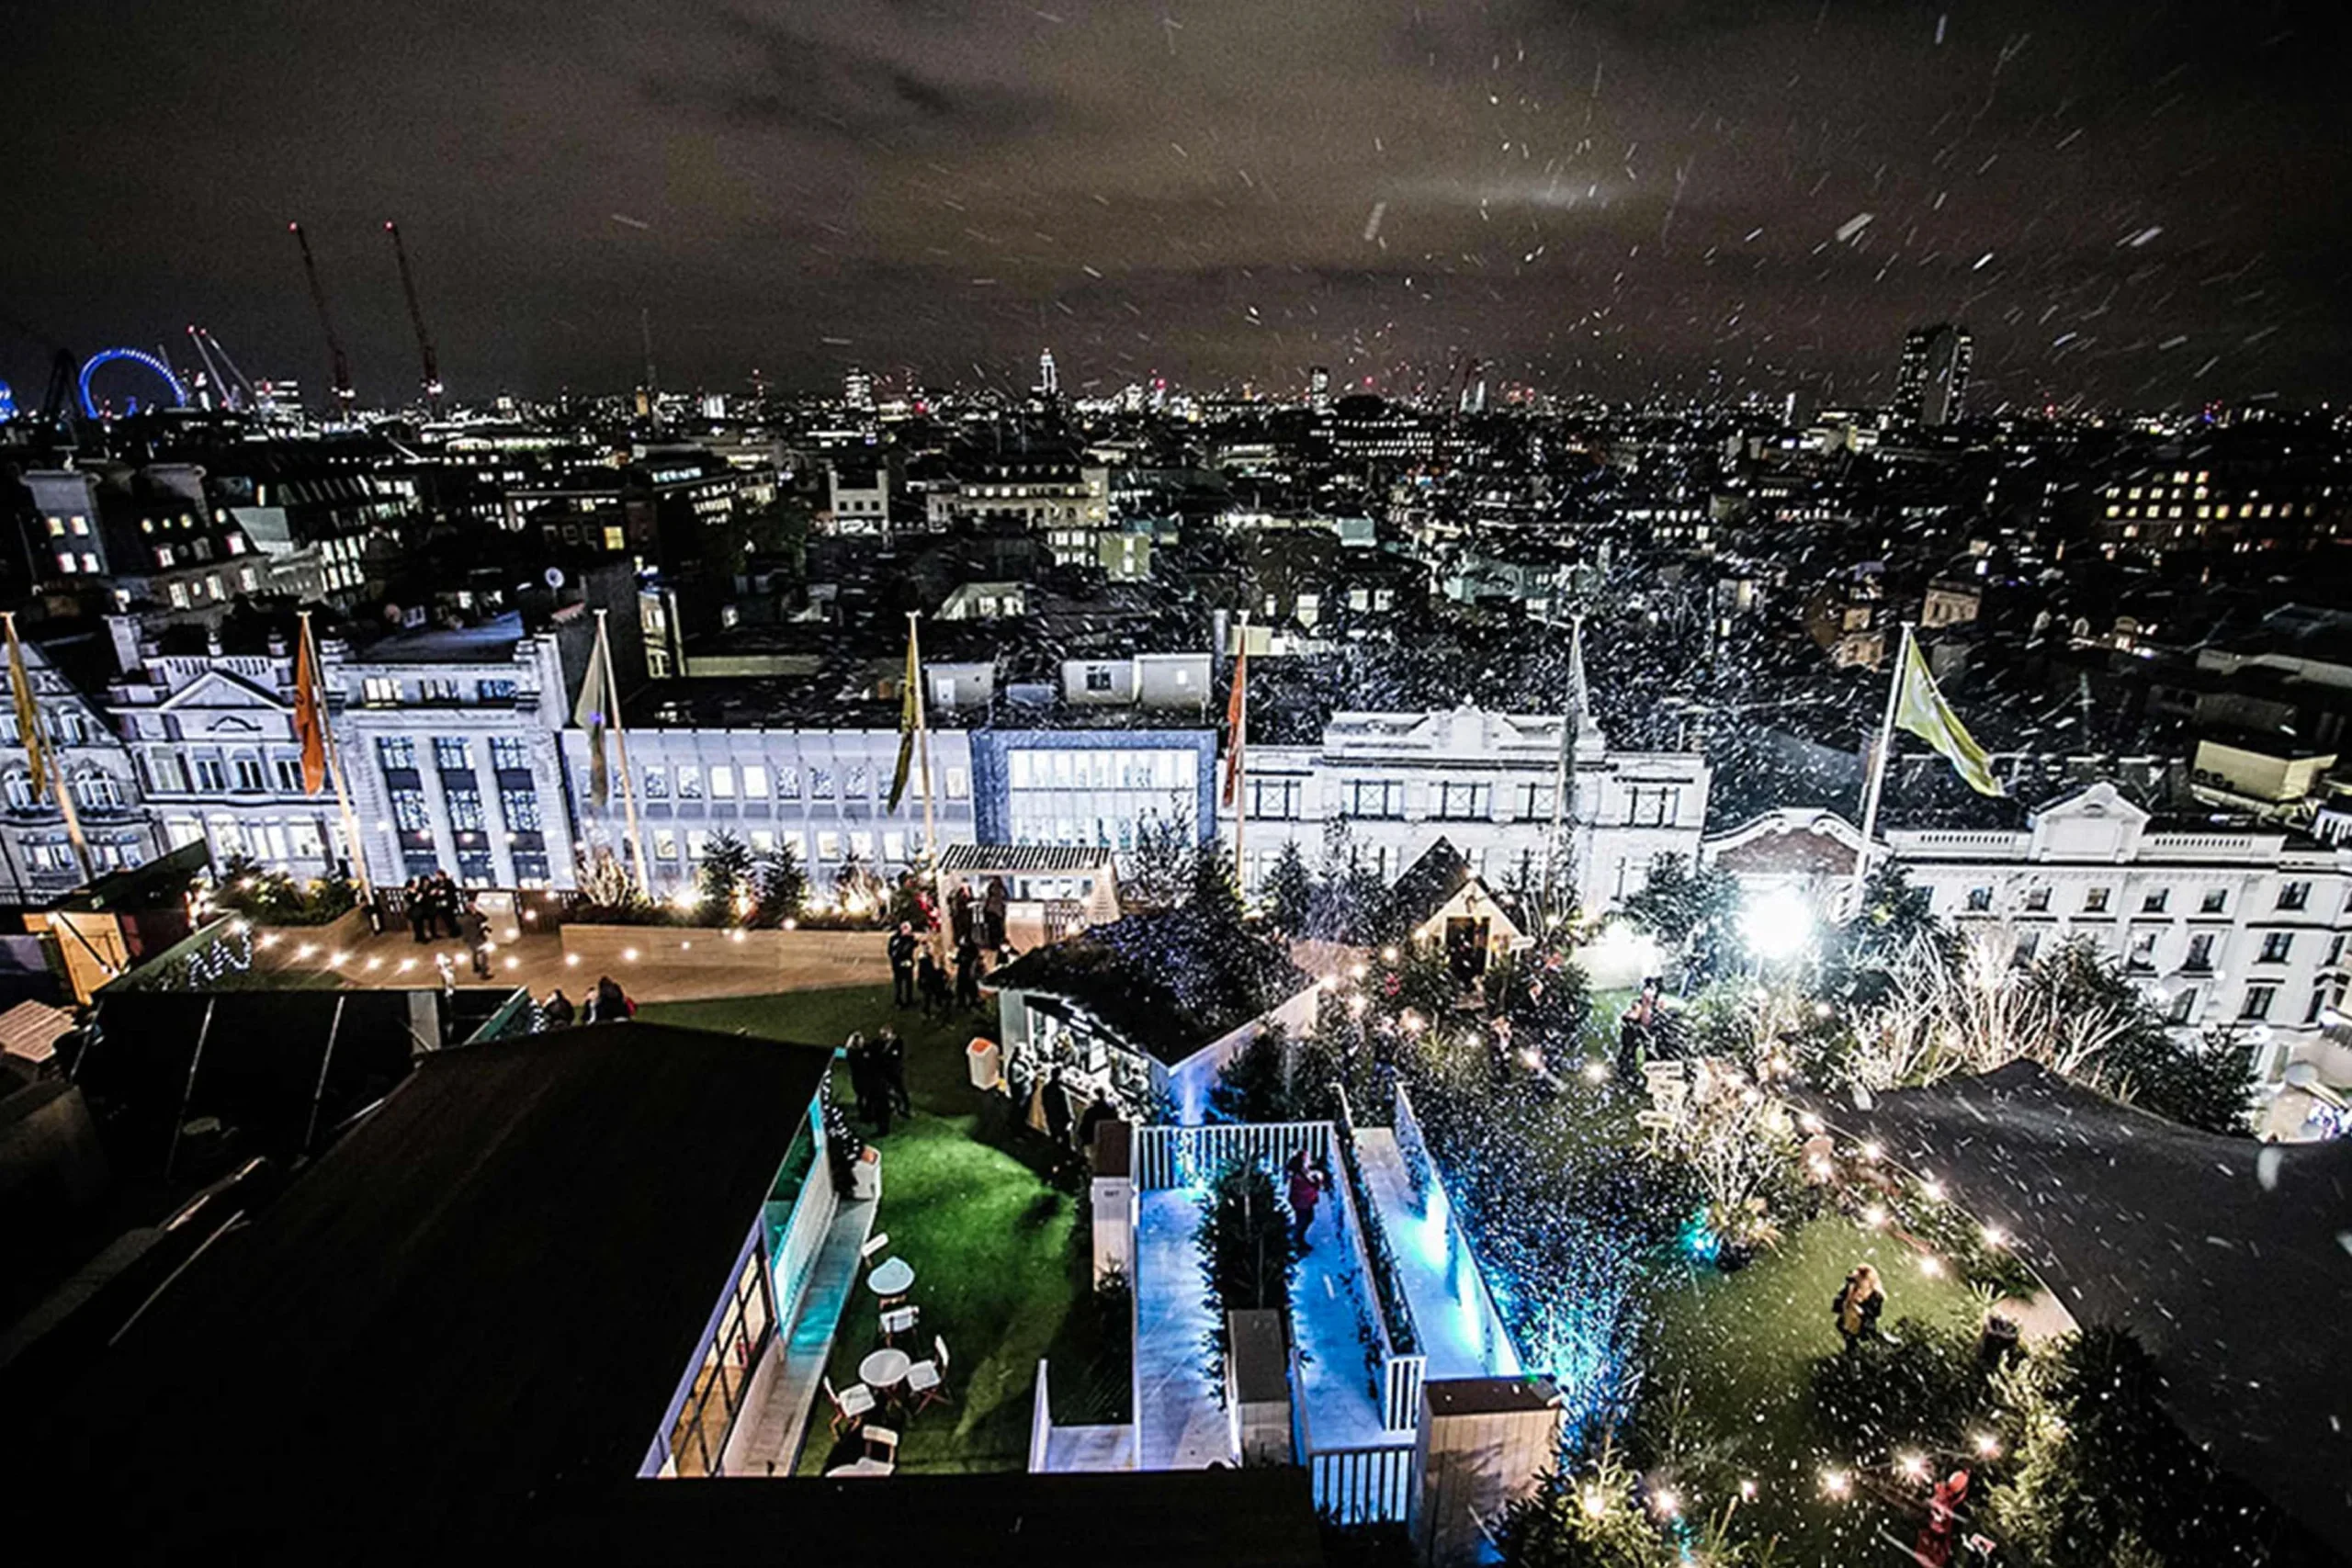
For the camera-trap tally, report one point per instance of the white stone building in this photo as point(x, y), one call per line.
point(36, 859)
point(2244, 926)
point(1485, 781)
point(450, 748)
point(823, 792)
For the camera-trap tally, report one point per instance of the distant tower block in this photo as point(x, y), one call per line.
point(1933, 376)
point(1318, 388)
point(1049, 380)
point(857, 390)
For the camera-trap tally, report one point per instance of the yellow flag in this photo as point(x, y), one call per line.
point(909, 719)
point(1921, 709)
point(20, 688)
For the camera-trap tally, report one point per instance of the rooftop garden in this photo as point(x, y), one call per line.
point(1665, 1223)
point(998, 1242)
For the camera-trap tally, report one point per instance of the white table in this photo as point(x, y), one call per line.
point(884, 1370)
point(863, 1466)
point(894, 1278)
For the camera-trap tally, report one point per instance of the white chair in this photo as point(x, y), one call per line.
point(873, 1243)
point(885, 1439)
point(927, 1381)
point(849, 1404)
point(898, 1321)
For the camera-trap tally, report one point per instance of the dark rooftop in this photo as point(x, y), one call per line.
point(472, 1311)
point(2227, 1257)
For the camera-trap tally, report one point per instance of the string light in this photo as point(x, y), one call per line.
point(1836, 1482)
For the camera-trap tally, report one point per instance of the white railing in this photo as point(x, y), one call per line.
point(1185, 1156)
point(1401, 1394)
point(1363, 1486)
point(1370, 1485)
point(1041, 1425)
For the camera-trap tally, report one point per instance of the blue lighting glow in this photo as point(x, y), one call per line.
point(1701, 1243)
point(135, 356)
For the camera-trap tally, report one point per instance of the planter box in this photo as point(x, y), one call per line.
point(346, 931)
point(798, 959)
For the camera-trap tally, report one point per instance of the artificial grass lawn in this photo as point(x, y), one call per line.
point(996, 1249)
point(1742, 1346)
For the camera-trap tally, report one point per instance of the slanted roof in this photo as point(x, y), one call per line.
point(1023, 858)
point(479, 1304)
point(1168, 983)
point(30, 1032)
point(1431, 883)
point(2225, 1256)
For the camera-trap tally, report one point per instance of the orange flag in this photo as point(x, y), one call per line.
point(310, 727)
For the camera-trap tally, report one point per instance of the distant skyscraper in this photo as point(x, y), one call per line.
point(857, 390)
point(1049, 380)
point(1318, 387)
point(1933, 376)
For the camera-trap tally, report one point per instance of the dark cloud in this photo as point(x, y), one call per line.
point(2132, 201)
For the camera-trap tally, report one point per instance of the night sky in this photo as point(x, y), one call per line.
point(2138, 203)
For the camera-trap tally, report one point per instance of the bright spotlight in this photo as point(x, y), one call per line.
point(1776, 924)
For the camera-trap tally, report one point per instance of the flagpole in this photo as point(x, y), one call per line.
point(1877, 779)
point(1241, 760)
point(620, 747)
point(929, 862)
point(1562, 774)
point(318, 699)
point(45, 768)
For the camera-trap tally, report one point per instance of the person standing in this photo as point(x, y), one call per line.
point(931, 985)
point(862, 1076)
point(959, 914)
point(443, 902)
point(890, 1065)
point(420, 909)
point(477, 931)
point(967, 970)
point(902, 964)
point(1305, 1184)
point(1056, 1096)
point(992, 908)
point(1860, 1301)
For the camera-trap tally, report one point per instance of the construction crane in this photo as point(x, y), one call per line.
point(220, 385)
point(237, 377)
point(431, 363)
point(340, 361)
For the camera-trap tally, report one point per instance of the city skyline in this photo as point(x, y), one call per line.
point(2124, 209)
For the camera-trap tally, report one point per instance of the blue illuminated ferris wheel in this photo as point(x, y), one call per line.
point(136, 357)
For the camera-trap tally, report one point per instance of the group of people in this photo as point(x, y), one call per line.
point(437, 906)
point(878, 1077)
point(916, 977)
point(607, 1003)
